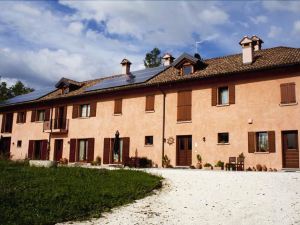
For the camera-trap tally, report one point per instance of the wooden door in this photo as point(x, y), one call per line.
point(290, 150)
point(184, 150)
point(5, 147)
point(58, 149)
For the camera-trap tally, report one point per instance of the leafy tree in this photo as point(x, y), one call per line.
point(153, 58)
point(17, 89)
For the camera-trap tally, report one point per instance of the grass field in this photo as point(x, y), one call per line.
point(32, 195)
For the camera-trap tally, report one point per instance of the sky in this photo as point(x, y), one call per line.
point(42, 41)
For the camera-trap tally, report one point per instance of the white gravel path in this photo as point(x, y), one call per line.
point(214, 197)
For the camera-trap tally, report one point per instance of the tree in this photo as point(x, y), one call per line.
point(153, 58)
point(17, 89)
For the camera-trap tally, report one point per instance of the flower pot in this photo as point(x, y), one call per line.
point(218, 168)
point(207, 168)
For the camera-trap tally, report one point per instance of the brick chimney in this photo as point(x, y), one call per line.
point(168, 59)
point(257, 42)
point(247, 50)
point(125, 66)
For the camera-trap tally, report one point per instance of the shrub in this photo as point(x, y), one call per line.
point(253, 168)
point(274, 170)
point(258, 167)
point(166, 162)
point(199, 158)
point(220, 164)
point(242, 155)
point(207, 165)
point(144, 162)
point(249, 169)
point(270, 170)
point(63, 161)
point(97, 162)
point(264, 168)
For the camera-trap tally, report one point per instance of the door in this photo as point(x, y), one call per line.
point(60, 117)
point(58, 149)
point(290, 151)
point(120, 156)
point(184, 150)
point(5, 147)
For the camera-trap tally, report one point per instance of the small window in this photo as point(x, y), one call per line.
point(19, 143)
point(83, 149)
point(262, 142)
point(150, 103)
point(186, 70)
point(40, 115)
point(21, 117)
point(85, 110)
point(148, 140)
point(223, 96)
point(65, 90)
point(223, 138)
point(288, 93)
point(118, 107)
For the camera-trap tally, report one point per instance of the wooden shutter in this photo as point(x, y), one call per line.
point(150, 102)
point(44, 152)
point(18, 117)
point(106, 150)
point(93, 108)
point(30, 149)
point(47, 114)
point(33, 115)
point(288, 93)
point(91, 145)
point(72, 150)
point(184, 106)
point(3, 123)
point(214, 97)
point(251, 142)
point(56, 113)
point(271, 139)
point(75, 112)
point(118, 106)
point(24, 120)
point(126, 145)
point(231, 89)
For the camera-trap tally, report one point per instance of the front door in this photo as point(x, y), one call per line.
point(58, 149)
point(290, 151)
point(184, 150)
point(120, 156)
point(5, 147)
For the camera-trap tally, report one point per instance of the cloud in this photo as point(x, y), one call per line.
point(275, 32)
point(297, 27)
point(259, 19)
point(290, 6)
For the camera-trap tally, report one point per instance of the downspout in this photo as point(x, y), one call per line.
point(163, 124)
point(49, 138)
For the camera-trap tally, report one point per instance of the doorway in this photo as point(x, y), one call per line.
point(184, 150)
point(116, 157)
point(290, 150)
point(58, 149)
point(5, 147)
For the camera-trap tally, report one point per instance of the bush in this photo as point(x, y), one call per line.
point(207, 165)
point(249, 169)
point(264, 168)
point(166, 162)
point(145, 162)
point(97, 162)
point(258, 167)
point(199, 158)
point(220, 164)
point(63, 161)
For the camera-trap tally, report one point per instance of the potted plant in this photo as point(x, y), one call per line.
point(207, 166)
point(199, 163)
point(219, 165)
point(166, 162)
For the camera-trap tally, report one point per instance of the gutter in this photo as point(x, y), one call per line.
point(163, 123)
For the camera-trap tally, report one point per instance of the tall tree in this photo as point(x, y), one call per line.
point(153, 58)
point(17, 89)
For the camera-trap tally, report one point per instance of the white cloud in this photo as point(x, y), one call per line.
point(291, 6)
point(259, 19)
point(297, 27)
point(274, 32)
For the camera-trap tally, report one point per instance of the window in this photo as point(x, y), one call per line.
point(118, 107)
point(291, 141)
point(65, 90)
point(184, 106)
point(187, 69)
point(19, 143)
point(223, 138)
point(82, 150)
point(148, 140)
point(40, 115)
point(7, 122)
point(223, 96)
point(85, 110)
point(288, 93)
point(21, 117)
point(150, 103)
point(262, 142)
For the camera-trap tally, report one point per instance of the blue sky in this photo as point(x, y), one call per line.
point(41, 41)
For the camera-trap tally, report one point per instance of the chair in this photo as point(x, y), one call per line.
point(231, 164)
point(240, 163)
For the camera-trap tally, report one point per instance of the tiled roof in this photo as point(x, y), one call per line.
point(232, 64)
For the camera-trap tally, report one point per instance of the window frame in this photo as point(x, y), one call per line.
point(21, 117)
point(219, 97)
point(19, 143)
point(220, 137)
point(118, 106)
point(88, 111)
point(187, 66)
point(86, 149)
point(257, 144)
point(149, 143)
point(288, 93)
point(38, 112)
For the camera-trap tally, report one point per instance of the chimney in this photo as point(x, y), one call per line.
point(247, 50)
point(256, 42)
point(125, 66)
point(168, 59)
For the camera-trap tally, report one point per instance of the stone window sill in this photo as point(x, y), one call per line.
point(148, 145)
point(261, 153)
point(223, 143)
point(117, 114)
point(150, 111)
point(222, 105)
point(288, 104)
point(180, 122)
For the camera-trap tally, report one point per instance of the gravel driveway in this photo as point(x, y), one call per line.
point(215, 197)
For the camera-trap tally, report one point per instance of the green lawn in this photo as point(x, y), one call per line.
point(31, 195)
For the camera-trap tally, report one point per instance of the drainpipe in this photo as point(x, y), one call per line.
point(163, 123)
point(49, 138)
